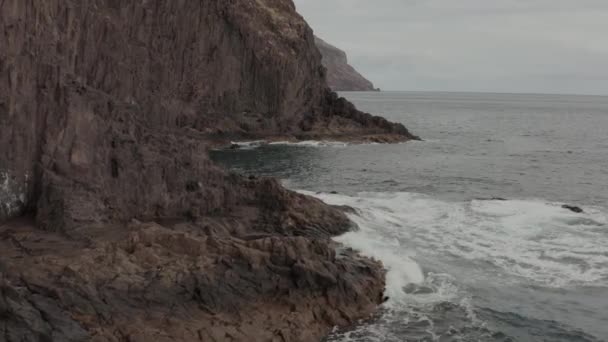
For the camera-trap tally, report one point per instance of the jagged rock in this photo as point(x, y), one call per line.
point(107, 111)
point(573, 208)
point(100, 98)
point(149, 282)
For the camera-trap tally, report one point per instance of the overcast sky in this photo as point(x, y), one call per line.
point(537, 46)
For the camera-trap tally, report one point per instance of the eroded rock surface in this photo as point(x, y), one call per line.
point(105, 98)
point(185, 282)
point(107, 110)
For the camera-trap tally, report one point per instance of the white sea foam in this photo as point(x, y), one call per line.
point(372, 241)
point(311, 143)
point(305, 143)
point(528, 241)
point(535, 240)
point(249, 144)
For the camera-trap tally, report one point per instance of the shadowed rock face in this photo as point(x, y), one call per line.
point(341, 76)
point(103, 98)
point(107, 110)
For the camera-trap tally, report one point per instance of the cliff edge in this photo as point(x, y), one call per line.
point(341, 76)
point(114, 223)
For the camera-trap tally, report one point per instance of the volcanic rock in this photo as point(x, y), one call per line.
point(107, 111)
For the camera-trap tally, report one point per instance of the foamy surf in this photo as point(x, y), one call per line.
point(311, 143)
point(411, 292)
point(371, 241)
point(538, 242)
point(305, 143)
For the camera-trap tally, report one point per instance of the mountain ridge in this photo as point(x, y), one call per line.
point(341, 76)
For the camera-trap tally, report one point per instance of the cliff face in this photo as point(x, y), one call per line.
point(341, 76)
point(93, 92)
point(107, 109)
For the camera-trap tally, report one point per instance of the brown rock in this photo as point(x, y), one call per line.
point(107, 110)
point(147, 282)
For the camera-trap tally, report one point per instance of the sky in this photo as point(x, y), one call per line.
point(514, 46)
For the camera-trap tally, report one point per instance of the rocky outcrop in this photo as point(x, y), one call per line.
point(341, 76)
point(107, 110)
point(100, 93)
point(573, 208)
point(213, 280)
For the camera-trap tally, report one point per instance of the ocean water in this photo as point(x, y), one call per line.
point(469, 222)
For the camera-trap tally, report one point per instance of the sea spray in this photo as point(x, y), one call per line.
point(512, 237)
point(535, 240)
point(402, 270)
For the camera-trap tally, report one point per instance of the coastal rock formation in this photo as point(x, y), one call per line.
point(212, 280)
point(107, 111)
point(341, 76)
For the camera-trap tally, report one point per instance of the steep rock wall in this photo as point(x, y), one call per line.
point(103, 97)
point(107, 110)
point(341, 76)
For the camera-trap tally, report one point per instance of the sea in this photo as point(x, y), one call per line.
point(469, 221)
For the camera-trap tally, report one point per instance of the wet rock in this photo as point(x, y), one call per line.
point(573, 208)
point(491, 199)
point(345, 208)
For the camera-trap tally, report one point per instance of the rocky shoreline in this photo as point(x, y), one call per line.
point(116, 226)
point(213, 279)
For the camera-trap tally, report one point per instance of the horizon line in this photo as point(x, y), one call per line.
point(470, 92)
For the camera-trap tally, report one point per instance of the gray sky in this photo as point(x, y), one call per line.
point(538, 46)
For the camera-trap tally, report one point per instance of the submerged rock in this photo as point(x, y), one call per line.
point(573, 208)
point(492, 199)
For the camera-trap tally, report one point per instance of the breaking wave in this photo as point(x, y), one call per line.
point(531, 242)
point(306, 143)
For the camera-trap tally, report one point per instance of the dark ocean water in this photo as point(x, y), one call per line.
point(464, 266)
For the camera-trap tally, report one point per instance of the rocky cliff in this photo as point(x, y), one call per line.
point(341, 76)
point(117, 226)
